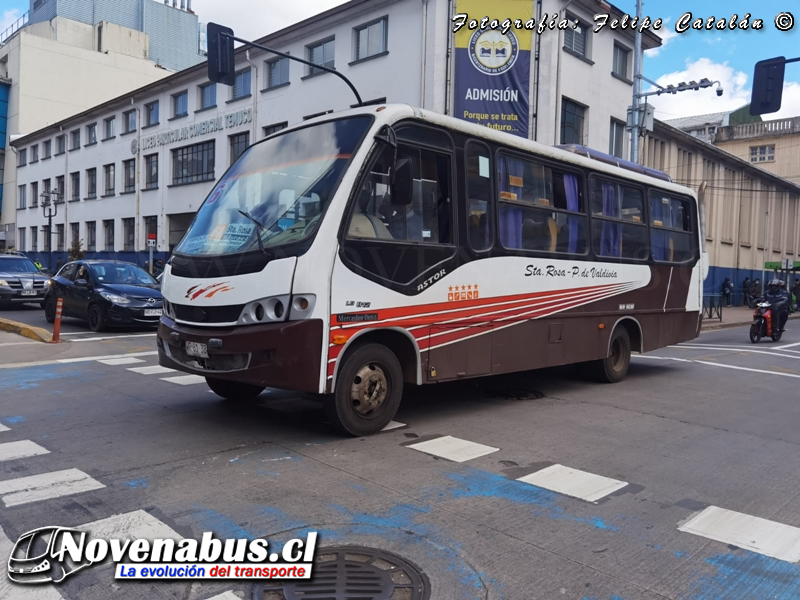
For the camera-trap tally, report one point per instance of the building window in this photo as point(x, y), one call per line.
point(34, 194)
point(371, 39)
point(108, 127)
point(130, 121)
point(151, 172)
point(21, 239)
point(193, 164)
point(321, 53)
point(75, 184)
point(241, 85)
point(151, 114)
point(91, 236)
point(91, 183)
point(208, 96)
point(572, 117)
point(616, 139)
point(59, 188)
point(22, 157)
point(60, 237)
point(109, 177)
point(75, 139)
point(180, 105)
point(46, 149)
point(129, 173)
point(108, 235)
point(275, 128)
point(620, 68)
point(74, 233)
point(277, 72)
point(150, 226)
point(46, 191)
point(239, 144)
point(91, 134)
point(576, 39)
point(758, 154)
point(128, 235)
point(35, 153)
point(34, 239)
point(22, 199)
point(61, 144)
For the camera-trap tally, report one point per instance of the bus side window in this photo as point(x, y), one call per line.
point(368, 220)
point(619, 229)
point(479, 194)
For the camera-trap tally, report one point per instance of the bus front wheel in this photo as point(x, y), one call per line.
point(368, 391)
point(234, 390)
point(614, 367)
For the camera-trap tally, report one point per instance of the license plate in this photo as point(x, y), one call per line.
point(197, 349)
point(28, 292)
point(152, 312)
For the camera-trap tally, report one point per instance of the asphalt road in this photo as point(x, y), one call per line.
point(693, 430)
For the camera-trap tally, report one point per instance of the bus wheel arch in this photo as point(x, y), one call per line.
point(614, 367)
point(398, 340)
point(634, 330)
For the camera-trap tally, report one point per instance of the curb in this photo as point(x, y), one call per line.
point(35, 333)
point(716, 325)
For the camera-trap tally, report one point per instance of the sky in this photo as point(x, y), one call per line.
point(724, 56)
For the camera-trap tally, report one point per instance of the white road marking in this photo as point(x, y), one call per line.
point(735, 349)
point(21, 592)
point(788, 346)
point(225, 596)
point(48, 485)
point(185, 379)
point(575, 483)
point(114, 362)
point(703, 362)
point(393, 425)
point(152, 370)
point(110, 356)
point(20, 343)
point(751, 533)
point(686, 360)
point(22, 449)
point(454, 449)
point(4, 428)
point(113, 337)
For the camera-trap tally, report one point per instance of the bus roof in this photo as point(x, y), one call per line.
point(577, 155)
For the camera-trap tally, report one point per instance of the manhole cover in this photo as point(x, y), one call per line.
point(353, 573)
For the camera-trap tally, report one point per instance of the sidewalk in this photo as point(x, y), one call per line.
point(735, 316)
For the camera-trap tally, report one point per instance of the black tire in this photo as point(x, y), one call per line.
point(234, 390)
point(49, 306)
point(369, 388)
point(97, 322)
point(755, 332)
point(613, 368)
point(776, 336)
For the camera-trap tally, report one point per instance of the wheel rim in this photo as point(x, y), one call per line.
point(94, 317)
point(370, 389)
point(617, 357)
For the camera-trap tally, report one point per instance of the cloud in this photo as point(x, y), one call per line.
point(9, 18)
point(667, 34)
point(736, 92)
point(251, 20)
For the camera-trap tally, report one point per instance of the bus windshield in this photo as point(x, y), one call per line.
point(283, 184)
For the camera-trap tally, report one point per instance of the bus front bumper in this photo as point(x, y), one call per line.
point(279, 355)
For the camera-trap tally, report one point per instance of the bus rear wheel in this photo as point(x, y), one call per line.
point(614, 367)
point(368, 391)
point(234, 390)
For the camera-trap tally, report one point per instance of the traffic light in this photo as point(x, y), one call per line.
point(221, 67)
point(767, 86)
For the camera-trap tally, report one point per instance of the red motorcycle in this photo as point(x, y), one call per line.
point(763, 324)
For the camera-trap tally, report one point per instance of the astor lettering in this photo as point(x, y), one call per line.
point(431, 280)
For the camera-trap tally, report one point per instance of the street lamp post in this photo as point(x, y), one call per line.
point(50, 210)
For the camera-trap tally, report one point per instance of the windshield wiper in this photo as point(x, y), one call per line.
point(261, 228)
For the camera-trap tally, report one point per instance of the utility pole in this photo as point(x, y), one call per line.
point(49, 210)
point(764, 251)
point(637, 84)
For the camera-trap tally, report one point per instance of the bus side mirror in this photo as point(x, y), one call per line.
point(402, 183)
point(767, 86)
point(221, 68)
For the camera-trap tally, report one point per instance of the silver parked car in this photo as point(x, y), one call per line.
point(21, 281)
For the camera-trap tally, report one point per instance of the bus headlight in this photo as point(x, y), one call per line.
point(169, 310)
point(265, 310)
point(302, 306)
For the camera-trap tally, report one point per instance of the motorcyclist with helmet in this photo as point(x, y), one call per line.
point(778, 297)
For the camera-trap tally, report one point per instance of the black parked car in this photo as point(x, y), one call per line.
point(20, 280)
point(104, 293)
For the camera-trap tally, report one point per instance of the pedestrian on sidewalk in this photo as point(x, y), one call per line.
point(755, 291)
point(746, 292)
point(727, 290)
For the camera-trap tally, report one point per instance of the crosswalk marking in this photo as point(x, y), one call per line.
point(4, 428)
point(23, 490)
point(393, 425)
point(225, 596)
point(20, 592)
point(751, 533)
point(573, 482)
point(185, 379)
point(22, 449)
point(152, 370)
point(454, 449)
point(114, 362)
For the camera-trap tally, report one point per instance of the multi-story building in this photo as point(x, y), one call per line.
point(705, 127)
point(63, 56)
point(773, 145)
point(145, 161)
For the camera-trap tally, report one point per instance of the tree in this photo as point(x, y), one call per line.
point(76, 250)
